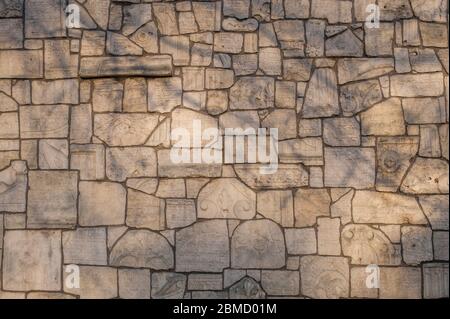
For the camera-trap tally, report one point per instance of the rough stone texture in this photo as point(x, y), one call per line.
point(92, 114)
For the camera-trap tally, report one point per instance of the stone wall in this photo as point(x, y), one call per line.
point(86, 177)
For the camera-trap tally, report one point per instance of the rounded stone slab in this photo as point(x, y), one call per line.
point(258, 244)
point(226, 198)
point(142, 249)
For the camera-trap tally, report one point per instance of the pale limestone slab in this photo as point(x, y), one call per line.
point(180, 213)
point(417, 85)
point(11, 8)
point(135, 16)
point(32, 260)
point(21, 64)
point(59, 62)
point(324, 277)
point(416, 244)
point(130, 162)
point(424, 110)
point(95, 283)
point(435, 280)
point(277, 206)
point(301, 241)
point(52, 199)
point(280, 282)
point(44, 121)
point(357, 97)
point(264, 234)
point(165, 18)
point(11, 34)
point(328, 233)
point(252, 93)
point(205, 282)
point(53, 154)
point(400, 283)
point(247, 288)
point(284, 120)
point(385, 208)
point(130, 129)
point(55, 92)
point(321, 98)
point(308, 151)
point(335, 11)
point(80, 123)
point(166, 168)
point(107, 207)
point(177, 47)
point(145, 211)
point(426, 176)
point(45, 19)
point(147, 37)
point(107, 95)
point(99, 11)
point(85, 246)
point(95, 67)
point(203, 247)
point(142, 249)
point(385, 118)
point(363, 68)
point(164, 94)
point(134, 283)
point(349, 167)
point(9, 125)
point(436, 209)
point(341, 132)
point(168, 285)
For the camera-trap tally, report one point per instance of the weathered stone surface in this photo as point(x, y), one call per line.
point(258, 244)
point(145, 211)
point(177, 47)
point(236, 8)
point(228, 42)
point(93, 67)
point(440, 245)
point(167, 168)
point(59, 62)
point(435, 208)
point(247, 288)
point(426, 176)
point(297, 69)
point(203, 246)
point(301, 241)
point(164, 94)
point(142, 249)
point(13, 187)
point(93, 43)
point(435, 281)
point(286, 176)
point(117, 44)
point(208, 15)
point(54, 92)
point(417, 85)
point(379, 41)
point(52, 199)
point(363, 68)
point(385, 208)
point(416, 244)
point(124, 129)
point(344, 44)
point(95, 283)
point(135, 16)
point(44, 121)
point(394, 157)
point(285, 96)
point(147, 37)
point(168, 285)
point(130, 162)
point(400, 283)
point(277, 206)
point(7, 103)
point(424, 60)
point(341, 132)
point(11, 8)
point(226, 198)
point(134, 284)
point(333, 10)
point(21, 64)
point(165, 18)
point(350, 167)
point(434, 34)
point(284, 121)
point(92, 209)
point(310, 204)
point(424, 110)
point(359, 288)
point(9, 125)
point(11, 34)
point(385, 118)
point(308, 151)
point(321, 98)
point(324, 277)
point(180, 213)
point(366, 245)
point(219, 79)
point(232, 24)
point(80, 123)
point(32, 260)
point(53, 154)
point(45, 19)
point(280, 282)
point(89, 160)
point(328, 236)
point(252, 93)
point(396, 9)
point(86, 246)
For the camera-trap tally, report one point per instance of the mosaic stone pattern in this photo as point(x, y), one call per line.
point(86, 114)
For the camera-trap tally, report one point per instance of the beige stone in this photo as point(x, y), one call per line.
point(324, 277)
point(247, 288)
point(53, 154)
point(92, 209)
point(435, 280)
point(107, 95)
point(341, 132)
point(286, 176)
point(400, 283)
point(147, 37)
point(13, 187)
point(145, 211)
point(434, 34)
point(344, 44)
point(379, 41)
point(134, 284)
point(55, 92)
point(45, 19)
point(280, 282)
point(258, 233)
point(277, 206)
point(165, 18)
point(86, 246)
point(436, 209)
point(59, 62)
point(426, 176)
point(126, 162)
point(363, 68)
point(203, 246)
point(52, 199)
point(167, 168)
point(180, 213)
point(167, 285)
point(332, 10)
point(80, 123)
point(177, 47)
point(228, 42)
point(416, 244)
point(440, 245)
point(308, 151)
point(208, 15)
point(385, 118)
point(328, 232)
point(95, 283)
point(424, 110)
point(219, 79)
point(301, 241)
point(93, 43)
point(32, 260)
point(44, 121)
point(164, 94)
point(21, 64)
point(9, 125)
point(386, 208)
point(321, 98)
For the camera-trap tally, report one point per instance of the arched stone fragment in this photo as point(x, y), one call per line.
point(258, 244)
point(247, 288)
point(366, 246)
point(203, 246)
point(142, 249)
point(226, 198)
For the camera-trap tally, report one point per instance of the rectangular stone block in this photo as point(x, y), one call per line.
point(93, 67)
point(435, 281)
point(59, 62)
point(45, 19)
point(417, 85)
point(52, 199)
point(89, 160)
point(44, 121)
point(16, 64)
point(54, 92)
point(32, 260)
point(85, 246)
point(400, 283)
point(11, 34)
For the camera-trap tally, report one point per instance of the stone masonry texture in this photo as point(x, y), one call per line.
point(90, 91)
